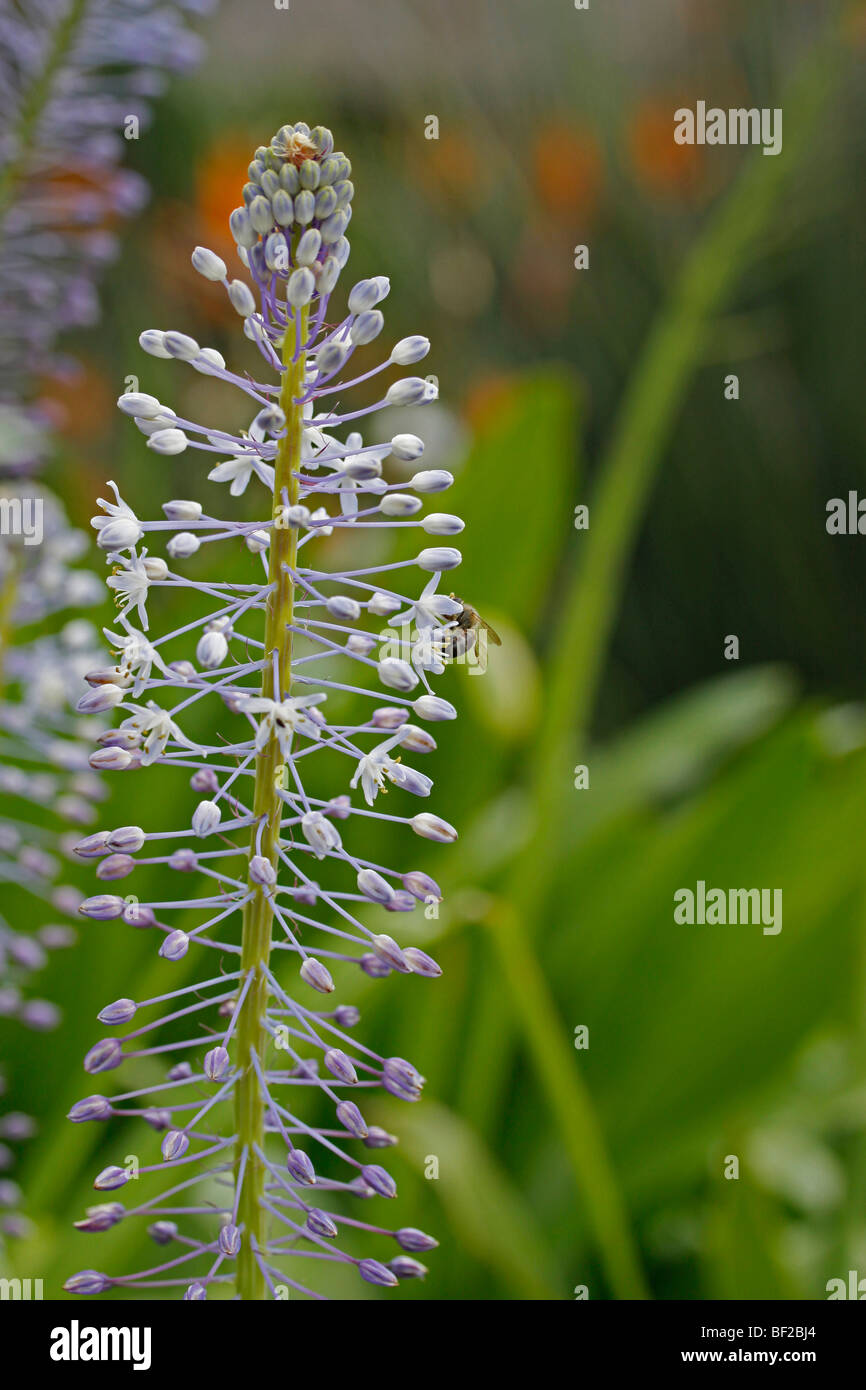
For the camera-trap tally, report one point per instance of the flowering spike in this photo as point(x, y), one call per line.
point(266, 655)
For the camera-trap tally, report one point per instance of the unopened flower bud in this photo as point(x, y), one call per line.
point(208, 264)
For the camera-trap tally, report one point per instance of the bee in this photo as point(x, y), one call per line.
point(462, 635)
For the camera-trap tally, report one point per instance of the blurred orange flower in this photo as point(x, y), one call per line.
point(568, 168)
point(451, 168)
point(218, 184)
point(79, 400)
point(487, 397)
point(662, 166)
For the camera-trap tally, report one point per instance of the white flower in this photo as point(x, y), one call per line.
point(131, 585)
point(239, 469)
point(136, 656)
point(375, 766)
point(319, 515)
point(320, 833)
point(158, 726)
point(429, 609)
point(428, 652)
point(121, 522)
point(281, 719)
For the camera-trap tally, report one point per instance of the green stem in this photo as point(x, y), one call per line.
point(570, 1100)
point(8, 595)
point(267, 806)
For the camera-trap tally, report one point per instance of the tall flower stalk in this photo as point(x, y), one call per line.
point(260, 1132)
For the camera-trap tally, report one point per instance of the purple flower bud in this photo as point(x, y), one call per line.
point(160, 1120)
point(262, 870)
point(163, 1232)
point(347, 1016)
point(114, 867)
point(102, 908)
point(406, 1268)
point(400, 901)
point(422, 886)
point(110, 760)
point(338, 1065)
point(388, 717)
point(119, 738)
point(92, 846)
point(403, 1074)
point(121, 1011)
point(374, 886)
point(422, 964)
point(89, 1283)
point(379, 1138)
point(184, 861)
point(313, 973)
point(136, 914)
point(417, 740)
point(102, 1218)
point(388, 951)
point(375, 1273)
point(196, 1293)
point(409, 1238)
point(175, 946)
point(380, 1181)
point(110, 1178)
point(104, 1056)
point(351, 1118)
point(216, 1063)
point(128, 839)
point(174, 1145)
point(375, 968)
point(229, 1240)
point(204, 780)
point(320, 1223)
point(91, 1108)
point(300, 1167)
point(431, 827)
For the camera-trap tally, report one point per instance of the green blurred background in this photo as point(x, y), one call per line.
point(558, 1167)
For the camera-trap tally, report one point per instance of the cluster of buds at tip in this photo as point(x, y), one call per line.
point(262, 811)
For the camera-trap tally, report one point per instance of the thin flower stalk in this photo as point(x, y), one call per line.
point(279, 785)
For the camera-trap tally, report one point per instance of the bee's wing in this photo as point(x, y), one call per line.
point(494, 635)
